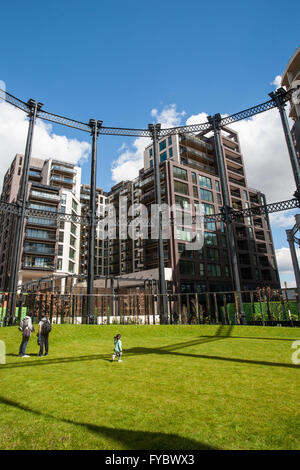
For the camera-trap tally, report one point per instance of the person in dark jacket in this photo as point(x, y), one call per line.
point(43, 335)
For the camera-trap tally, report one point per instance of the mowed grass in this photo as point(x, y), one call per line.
point(178, 387)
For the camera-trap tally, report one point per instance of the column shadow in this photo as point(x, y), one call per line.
point(132, 440)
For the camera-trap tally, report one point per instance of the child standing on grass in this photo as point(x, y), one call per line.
point(118, 348)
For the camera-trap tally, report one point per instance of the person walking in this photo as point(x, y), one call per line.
point(43, 335)
point(117, 348)
point(26, 327)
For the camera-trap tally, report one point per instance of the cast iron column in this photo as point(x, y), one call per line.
point(290, 238)
point(227, 210)
point(278, 97)
point(155, 131)
point(33, 107)
point(95, 126)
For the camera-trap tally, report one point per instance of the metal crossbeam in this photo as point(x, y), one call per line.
point(194, 128)
point(9, 208)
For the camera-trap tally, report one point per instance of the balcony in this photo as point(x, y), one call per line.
point(59, 180)
point(190, 152)
point(39, 234)
point(40, 249)
point(62, 169)
point(199, 166)
point(240, 182)
point(39, 221)
point(235, 170)
point(195, 142)
point(35, 194)
point(38, 263)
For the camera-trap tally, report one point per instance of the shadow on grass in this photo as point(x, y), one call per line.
point(132, 440)
point(223, 332)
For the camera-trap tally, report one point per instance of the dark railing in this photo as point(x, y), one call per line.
point(265, 306)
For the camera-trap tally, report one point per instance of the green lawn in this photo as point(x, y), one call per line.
point(178, 387)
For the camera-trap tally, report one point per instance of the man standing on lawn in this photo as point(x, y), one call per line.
point(43, 335)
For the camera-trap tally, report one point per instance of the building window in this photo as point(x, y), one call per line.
point(71, 267)
point(213, 270)
point(63, 198)
point(151, 163)
point(181, 188)
point(72, 253)
point(210, 226)
point(245, 194)
point(73, 228)
point(74, 205)
point(180, 173)
point(61, 237)
point(218, 186)
point(59, 264)
point(150, 152)
point(72, 240)
point(210, 239)
point(187, 268)
point(170, 152)
point(60, 250)
point(201, 268)
point(212, 254)
point(170, 140)
point(195, 192)
point(162, 145)
point(204, 181)
point(206, 195)
point(183, 202)
point(207, 209)
point(194, 178)
point(219, 199)
point(163, 156)
point(184, 235)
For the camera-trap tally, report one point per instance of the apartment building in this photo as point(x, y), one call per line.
point(189, 177)
point(101, 242)
point(49, 246)
point(290, 79)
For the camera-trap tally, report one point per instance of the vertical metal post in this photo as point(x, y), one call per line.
point(215, 122)
point(278, 97)
point(95, 126)
point(33, 108)
point(290, 239)
point(155, 131)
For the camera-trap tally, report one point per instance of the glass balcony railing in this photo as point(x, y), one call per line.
point(38, 266)
point(40, 234)
point(61, 179)
point(44, 195)
point(62, 168)
point(41, 221)
point(39, 249)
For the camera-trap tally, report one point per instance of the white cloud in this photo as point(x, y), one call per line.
point(131, 160)
point(46, 144)
point(266, 158)
point(277, 81)
point(263, 146)
point(285, 266)
point(283, 219)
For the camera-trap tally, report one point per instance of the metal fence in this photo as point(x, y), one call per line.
point(264, 306)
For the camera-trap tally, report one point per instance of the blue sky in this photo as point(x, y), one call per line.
point(117, 61)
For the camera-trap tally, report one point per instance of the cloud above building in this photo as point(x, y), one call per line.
point(46, 144)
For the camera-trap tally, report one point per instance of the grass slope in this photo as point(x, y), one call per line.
point(178, 387)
